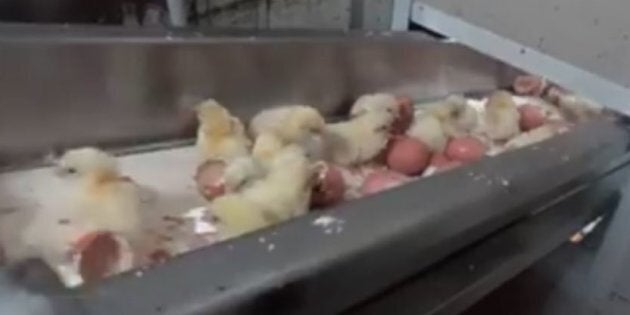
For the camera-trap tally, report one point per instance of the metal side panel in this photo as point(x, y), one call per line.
point(97, 86)
point(373, 243)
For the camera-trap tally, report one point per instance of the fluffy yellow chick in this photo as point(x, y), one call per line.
point(501, 117)
point(365, 135)
point(295, 124)
point(220, 136)
point(428, 129)
point(456, 116)
point(103, 198)
point(282, 194)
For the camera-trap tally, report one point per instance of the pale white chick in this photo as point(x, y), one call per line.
point(282, 194)
point(241, 171)
point(293, 124)
point(366, 134)
point(220, 136)
point(103, 198)
point(577, 108)
point(457, 117)
point(501, 117)
point(90, 195)
point(428, 129)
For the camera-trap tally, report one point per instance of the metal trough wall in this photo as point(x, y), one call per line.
point(65, 87)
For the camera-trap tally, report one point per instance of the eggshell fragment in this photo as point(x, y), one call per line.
point(329, 188)
point(100, 254)
point(529, 85)
point(405, 115)
point(209, 178)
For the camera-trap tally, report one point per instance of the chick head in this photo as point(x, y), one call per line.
point(214, 117)
point(501, 100)
point(450, 108)
point(302, 122)
point(380, 103)
point(86, 160)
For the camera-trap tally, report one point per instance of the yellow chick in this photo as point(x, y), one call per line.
point(455, 115)
point(501, 117)
point(365, 135)
point(104, 198)
point(220, 136)
point(282, 194)
point(295, 124)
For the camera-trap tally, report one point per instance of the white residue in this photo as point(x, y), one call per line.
point(271, 247)
point(329, 224)
point(262, 240)
point(429, 171)
point(325, 221)
point(201, 226)
point(69, 275)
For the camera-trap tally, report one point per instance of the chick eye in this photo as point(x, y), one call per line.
point(214, 219)
point(71, 170)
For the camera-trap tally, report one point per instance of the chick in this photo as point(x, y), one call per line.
point(220, 136)
point(375, 103)
point(456, 116)
point(365, 135)
point(102, 197)
point(578, 109)
point(501, 118)
point(266, 146)
point(295, 124)
point(282, 194)
point(241, 171)
point(428, 129)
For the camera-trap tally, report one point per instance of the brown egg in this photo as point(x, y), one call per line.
point(529, 85)
point(465, 149)
point(405, 115)
point(209, 179)
point(442, 163)
point(408, 155)
point(532, 117)
point(329, 188)
point(382, 180)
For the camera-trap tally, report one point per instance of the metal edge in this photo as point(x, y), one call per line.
point(283, 283)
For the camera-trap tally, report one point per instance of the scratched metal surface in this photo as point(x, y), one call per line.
point(67, 87)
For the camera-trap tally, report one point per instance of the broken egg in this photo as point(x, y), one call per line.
point(209, 179)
